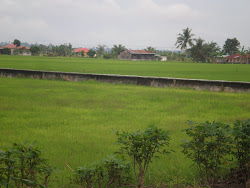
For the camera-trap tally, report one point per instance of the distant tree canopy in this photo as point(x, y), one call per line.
point(91, 53)
point(62, 50)
point(6, 51)
point(203, 52)
point(117, 49)
point(231, 46)
point(184, 39)
point(17, 42)
point(100, 50)
point(35, 50)
point(150, 48)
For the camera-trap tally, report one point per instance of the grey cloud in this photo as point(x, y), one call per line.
point(130, 22)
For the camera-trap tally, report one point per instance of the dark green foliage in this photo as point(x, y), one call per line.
point(6, 51)
point(91, 53)
point(209, 148)
point(117, 170)
point(241, 135)
point(203, 52)
point(17, 42)
point(185, 38)
point(231, 46)
point(62, 50)
point(142, 147)
point(21, 165)
point(150, 48)
point(107, 55)
point(117, 49)
point(112, 172)
point(82, 53)
point(35, 50)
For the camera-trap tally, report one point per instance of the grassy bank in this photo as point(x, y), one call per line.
point(73, 122)
point(230, 72)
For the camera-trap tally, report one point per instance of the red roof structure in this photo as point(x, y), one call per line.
point(140, 52)
point(85, 50)
point(12, 46)
point(237, 56)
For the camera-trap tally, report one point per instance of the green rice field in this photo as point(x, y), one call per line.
point(230, 72)
point(73, 121)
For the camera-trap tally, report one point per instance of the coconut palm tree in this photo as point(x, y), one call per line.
point(184, 39)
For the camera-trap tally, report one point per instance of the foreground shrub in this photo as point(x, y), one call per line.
point(142, 147)
point(21, 165)
point(112, 172)
point(208, 148)
point(241, 135)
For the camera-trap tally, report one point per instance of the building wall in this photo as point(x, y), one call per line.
point(126, 55)
point(211, 85)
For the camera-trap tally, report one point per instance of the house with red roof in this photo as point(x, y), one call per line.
point(136, 55)
point(78, 51)
point(20, 50)
point(238, 58)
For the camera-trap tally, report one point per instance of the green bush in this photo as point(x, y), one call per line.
point(241, 151)
point(6, 51)
point(142, 147)
point(111, 172)
point(209, 147)
point(21, 165)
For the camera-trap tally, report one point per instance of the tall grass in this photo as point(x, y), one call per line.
point(231, 72)
point(73, 122)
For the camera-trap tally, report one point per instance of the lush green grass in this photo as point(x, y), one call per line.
point(73, 121)
point(231, 72)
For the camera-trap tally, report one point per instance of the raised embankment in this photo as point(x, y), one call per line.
point(198, 84)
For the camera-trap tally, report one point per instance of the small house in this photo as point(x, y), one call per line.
point(78, 51)
point(136, 55)
point(20, 50)
point(238, 58)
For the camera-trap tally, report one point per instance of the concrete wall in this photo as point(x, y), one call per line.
point(210, 85)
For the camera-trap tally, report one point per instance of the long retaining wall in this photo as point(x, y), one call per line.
point(198, 84)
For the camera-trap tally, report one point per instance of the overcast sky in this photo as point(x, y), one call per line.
point(133, 23)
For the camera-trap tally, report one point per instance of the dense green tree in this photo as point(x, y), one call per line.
point(43, 49)
point(100, 50)
point(6, 51)
point(231, 46)
point(17, 42)
point(184, 39)
point(196, 51)
point(91, 53)
point(117, 49)
point(150, 48)
point(204, 52)
point(35, 50)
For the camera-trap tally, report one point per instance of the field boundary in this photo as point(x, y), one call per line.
point(198, 84)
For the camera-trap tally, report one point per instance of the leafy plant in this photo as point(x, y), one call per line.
point(111, 171)
point(142, 147)
point(91, 53)
point(22, 166)
point(209, 147)
point(117, 171)
point(241, 133)
point(6, 51)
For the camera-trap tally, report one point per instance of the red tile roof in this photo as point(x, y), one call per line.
point(12, 46)
point(141, 52)
point(81, 49)
point(236, 56)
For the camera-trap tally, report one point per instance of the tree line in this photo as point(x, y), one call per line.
point(201, 51)
point(193, 49)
